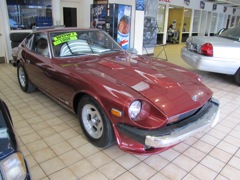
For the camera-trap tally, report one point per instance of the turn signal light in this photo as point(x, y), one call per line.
point(116, 112)
point(207, 49)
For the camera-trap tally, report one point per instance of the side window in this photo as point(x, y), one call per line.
point(28, 41)
point(40, 44)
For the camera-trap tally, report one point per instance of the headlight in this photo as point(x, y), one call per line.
point(135, 109)
point(13, 167)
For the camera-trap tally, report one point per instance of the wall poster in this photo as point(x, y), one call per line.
point(140, 5)
point(124, 24)
point(98, 16)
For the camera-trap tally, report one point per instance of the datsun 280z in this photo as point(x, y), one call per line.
point(144, 105)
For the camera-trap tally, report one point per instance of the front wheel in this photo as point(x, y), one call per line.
point(94, 122)
point(237, 76)
point(23, 80)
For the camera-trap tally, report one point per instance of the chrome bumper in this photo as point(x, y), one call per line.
point(208, 120)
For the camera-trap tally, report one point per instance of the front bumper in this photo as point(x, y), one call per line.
point(206, 117)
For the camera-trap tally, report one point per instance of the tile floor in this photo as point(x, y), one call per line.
point(55, 148)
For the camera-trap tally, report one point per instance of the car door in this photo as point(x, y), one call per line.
point(41, 69)
point(38, 63)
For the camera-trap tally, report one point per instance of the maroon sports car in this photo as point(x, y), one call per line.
point(144, 104)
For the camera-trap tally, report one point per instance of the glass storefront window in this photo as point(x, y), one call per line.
point(161, 17)
point(196, 21)
point(24, 14)
point(237, 21)
point(232, 21)
point(213, 23)
point(220, 22)
point(187, 20)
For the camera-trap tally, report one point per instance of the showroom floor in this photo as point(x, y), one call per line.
point(55, 148)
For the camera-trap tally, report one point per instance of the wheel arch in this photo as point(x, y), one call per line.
point(78, 97)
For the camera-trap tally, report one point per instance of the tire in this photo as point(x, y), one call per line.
point(237, 76)
point(23, 80)
point(94, 122)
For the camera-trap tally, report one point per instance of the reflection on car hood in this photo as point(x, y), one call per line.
point(171, 88)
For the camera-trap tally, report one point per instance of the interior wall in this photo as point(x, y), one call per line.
point(2, 50)
point(83, 11)
point(187, 19)
point(175, 14)
point(5, 31)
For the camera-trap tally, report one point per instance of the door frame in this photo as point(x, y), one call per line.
point(65, 11)
point(73, 4)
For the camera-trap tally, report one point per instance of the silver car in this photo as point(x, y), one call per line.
point(218, 54)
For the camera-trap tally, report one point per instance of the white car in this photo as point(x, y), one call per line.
point(218, 54)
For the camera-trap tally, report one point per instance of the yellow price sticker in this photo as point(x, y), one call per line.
point(64, 38)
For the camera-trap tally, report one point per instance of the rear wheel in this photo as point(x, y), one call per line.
point(237, 76)
point(95, 123)
point(23, 80)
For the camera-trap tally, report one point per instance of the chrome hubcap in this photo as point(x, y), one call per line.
point(92, 121)
point(22, 77)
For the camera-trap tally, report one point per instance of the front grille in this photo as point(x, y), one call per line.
point(191, 115)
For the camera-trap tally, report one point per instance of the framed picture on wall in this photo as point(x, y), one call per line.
point(140, 5)
point(187, 2)
point(202, 5)
point(234, 10)
point(214, 7)
point(225, 9)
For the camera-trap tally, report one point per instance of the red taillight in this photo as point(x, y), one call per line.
point(207, 49)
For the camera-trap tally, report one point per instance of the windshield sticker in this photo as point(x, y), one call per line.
point(64, 38)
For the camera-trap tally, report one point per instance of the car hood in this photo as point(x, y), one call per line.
point(222, 47)
point(170, 88)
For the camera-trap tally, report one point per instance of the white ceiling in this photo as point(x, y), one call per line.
point(229, 3)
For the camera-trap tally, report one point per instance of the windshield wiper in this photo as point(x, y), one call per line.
point(81, 54)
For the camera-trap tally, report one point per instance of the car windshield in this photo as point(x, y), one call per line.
point(231, 33)
point(82, 42)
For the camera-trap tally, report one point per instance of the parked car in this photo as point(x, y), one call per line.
point(12, 162)
point(220, 31)
point(14, 25)
point(217, 54)
point(144, 104)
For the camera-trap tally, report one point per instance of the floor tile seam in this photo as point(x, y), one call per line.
point(226, 90)
point(48, 175)
point(216, 146)
point(227, 164)
point(197, 162)
point(232, 158)
point(141, 161)
point(124, 173)
point(48, 146)
point(95, 168)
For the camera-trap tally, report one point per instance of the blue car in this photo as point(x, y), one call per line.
point(12, 162)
